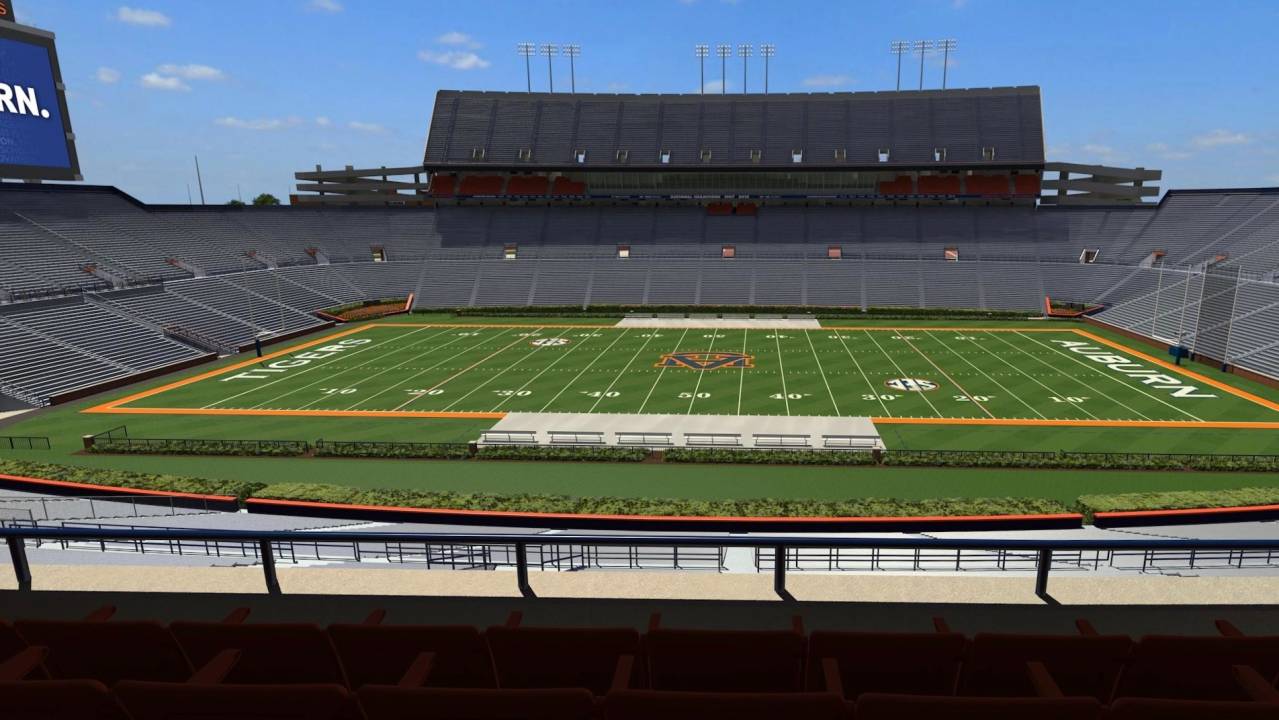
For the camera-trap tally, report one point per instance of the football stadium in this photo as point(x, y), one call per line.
point(730, 403)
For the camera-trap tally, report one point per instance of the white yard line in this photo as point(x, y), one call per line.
point(424, 371)
point(741, 377)
point(901, 373)
point(508, 368)
point(943, 373)
point(781, 369)
point(1094, 367)
point(822, 370)
point(620, 373)
point(316, 366)
point(873, 390)
point(543, 372)
point(583, 372)
point(701, 373)
point(1028, 375)
point(987, 375)
point(366, 378)
point(661, 372)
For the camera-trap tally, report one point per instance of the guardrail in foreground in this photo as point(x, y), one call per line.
point(16, 538)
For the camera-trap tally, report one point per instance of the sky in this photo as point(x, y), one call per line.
point(260, 89)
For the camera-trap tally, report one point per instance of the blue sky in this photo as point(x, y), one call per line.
point(260, 89)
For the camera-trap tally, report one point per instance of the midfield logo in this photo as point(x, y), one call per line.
point(706, 360)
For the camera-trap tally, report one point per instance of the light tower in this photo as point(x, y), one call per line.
point(572, 50)
point(922, 47)
point(550, 50)
point(526, 49)
point(899, 48)
point(767, 50)
point(701, 51)
point(744, 51)
point(946, 46)
point(723, 51)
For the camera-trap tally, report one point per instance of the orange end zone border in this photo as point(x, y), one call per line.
point(117, 406)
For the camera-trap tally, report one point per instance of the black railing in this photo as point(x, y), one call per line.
point(25, 442)
point(271, 542)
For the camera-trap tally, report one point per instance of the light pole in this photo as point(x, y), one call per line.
point(946, 46)
point(744, 51)
point(767, 50)
point(701, 51)
point(922, 47)
point(899, 48)
point(550, 50)
point(526, 49)
point(723, 51)
point(572, 51)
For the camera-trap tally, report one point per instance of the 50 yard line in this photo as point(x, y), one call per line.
point(661, 372)
point(701, 373)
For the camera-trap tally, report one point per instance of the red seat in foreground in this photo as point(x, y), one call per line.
point(913, 663)
point(381, 702)
point(1157, 709)
point(1080, 665)
point(58, 700)
point(108, 651)
point(875, 706)
point(656, 704)
point(380, 654)
point(269, 652)
point(532, 657)
point(726, 660)
point(179, 701)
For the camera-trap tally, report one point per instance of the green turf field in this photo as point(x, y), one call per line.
point(1027, 375)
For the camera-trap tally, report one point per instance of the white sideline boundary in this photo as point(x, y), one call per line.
point(695, 323)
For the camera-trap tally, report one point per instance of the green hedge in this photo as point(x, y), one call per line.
point(569, 454)
point(1080, 461)
point(767, 457)
point(237, 448)
point(760, 507)
point(816, 311)
point(431, 451)
point(129, 479)
point(1178, 500)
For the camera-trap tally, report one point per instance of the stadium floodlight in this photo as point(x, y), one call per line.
point(945, 46)
point(767, 50)
point(572, 50)
point(701, 51)
point(526, 49)
point(550, 50)
point(744, 52)
point(899, 48)
point(922, 47)
point(723, 51)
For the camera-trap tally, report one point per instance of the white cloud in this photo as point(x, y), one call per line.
point(1220, 137)
point(155, 81)
point(1099, 150)
point(1273, 178)
point(191, 72)
point(107, 76)
point(323, 121)
point(258, 123)
point(366, 127)
point(827, 81)
point(1164, 151)
point(328, 6)
point(458, 39)
point(138, 16)
point(715, 86)
point(455, 59)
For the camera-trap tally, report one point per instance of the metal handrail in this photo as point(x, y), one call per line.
point(16, 538)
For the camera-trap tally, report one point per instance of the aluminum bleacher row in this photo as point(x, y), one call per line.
point(104, 668)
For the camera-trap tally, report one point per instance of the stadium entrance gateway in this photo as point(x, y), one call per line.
point(298, 360)
point(1124, 365)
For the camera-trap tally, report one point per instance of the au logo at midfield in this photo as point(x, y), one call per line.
point(706, 360)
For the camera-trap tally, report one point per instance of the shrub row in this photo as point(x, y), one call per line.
point(571, 454)
point(767, 457)
point(1178, 500)
point(191, 446)
point(1080, 461)
point(432, 451)
point(820, 312)
point(129, 479)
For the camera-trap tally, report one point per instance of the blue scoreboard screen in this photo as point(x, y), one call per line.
point(36, 141)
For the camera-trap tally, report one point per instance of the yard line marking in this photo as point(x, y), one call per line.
point(661, 372)
point(365, 364)
point(419, 373)
point(316, 366)
point(823, 372)
point(873, 390)
point(543, 372)
point(1097, 369)
point(508, 368)
point(620, 372)
point(983, 372)
point(781, 370)
point(943, 372)
point(901, 372)
point(741, 377)
point(1018, 369)
point(701, 373)
point(590, 365)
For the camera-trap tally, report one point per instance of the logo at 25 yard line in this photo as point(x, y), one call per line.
point(550, 342)
point(911, 384)
point(706, 360)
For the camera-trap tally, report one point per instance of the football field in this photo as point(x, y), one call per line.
point(995, 376)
